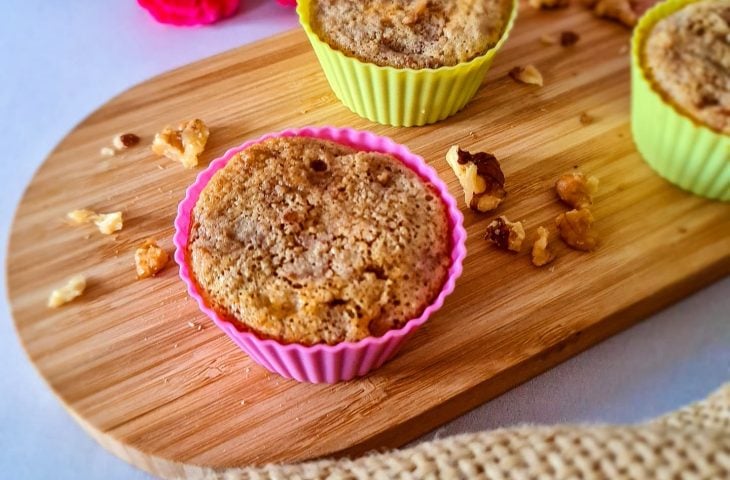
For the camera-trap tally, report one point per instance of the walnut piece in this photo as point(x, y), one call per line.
point(124, 141)
point(568, 38)
point(149, 259)
point(619, 10)
point(549, 4)
point(107, 223)
point(576, 190)
point(527, 74)
point(541, 252)
point(74, 287)
point(576, 229)
point(505, 234)
point(480, 176)
point(183, 144)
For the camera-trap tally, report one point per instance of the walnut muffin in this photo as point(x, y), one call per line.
point(411, 34)
point(308, 241)
point(687, 57)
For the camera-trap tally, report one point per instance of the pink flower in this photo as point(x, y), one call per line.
point(189, 12)
point(288, 3)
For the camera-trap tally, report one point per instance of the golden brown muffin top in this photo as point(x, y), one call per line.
point(411, 33)
point(308, 241)
point(688, 58)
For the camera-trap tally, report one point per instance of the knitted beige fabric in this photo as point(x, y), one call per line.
point(691, 443)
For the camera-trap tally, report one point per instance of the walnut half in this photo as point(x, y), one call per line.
point(576, 190)
point(505, 234)
point(183, 144)
point(480, 176)
point(576, 229)
point(541, 252)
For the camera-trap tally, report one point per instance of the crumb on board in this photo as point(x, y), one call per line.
point(568, 38)
point(107, 223)
point(123, 141)
point(149, 259)
point(548, 39)
point(542, 254)
point(107, 152)
point(73, 288)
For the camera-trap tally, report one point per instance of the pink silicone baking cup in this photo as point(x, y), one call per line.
point(324, 363)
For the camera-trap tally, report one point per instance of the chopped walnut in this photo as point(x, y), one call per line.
point(549, 4)
point(505, 234)
point(541, 252)
point(124, 141)
point(568, 39)
point(576, 229)
point(184, 144)
point(548, 39)
point(619, 10)
point(527, 74)
point(480, 176)
point(74, 287)
point(586, 119)
point(107, 152)
point(150, 259)
point(107, 223)
point(576, 190)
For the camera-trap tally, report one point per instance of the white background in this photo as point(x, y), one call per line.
point(62, 59)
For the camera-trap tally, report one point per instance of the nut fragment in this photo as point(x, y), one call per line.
point(576, 190)
point(183, 144)
point(480, 176)
point(541, 252)
point(548, 39)
point(107, 152)
point(619, 10)
point(149, 259)
point(505, 234)
point(586, 119)
point(549, 4)
point(568, 38)
point(576, 229)
point(74, 287)
point(527, 74)
point(124, 141)
point(107, 223)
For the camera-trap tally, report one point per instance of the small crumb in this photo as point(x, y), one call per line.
point(165, 380)
point(548, 39)
point(160, 167)
point(248, 369)
point(199, 327)
point(145, 339)
point(191, 325)
point(87, 236)
point(107, 152)
point(623, 49)
point(568, 38)
point(586, 119)
point(242, 402)
point(107, 223)
point(174, 346)
point(149, 259)
point(551, 269)
point(74, 287)
point(528, 74)
point(124, 141)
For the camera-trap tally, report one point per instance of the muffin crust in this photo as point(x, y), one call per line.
point(413, 34)
point(687, 55)
point(307, 241)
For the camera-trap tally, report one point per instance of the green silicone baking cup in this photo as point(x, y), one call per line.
point(688, 154)
point(400, 97)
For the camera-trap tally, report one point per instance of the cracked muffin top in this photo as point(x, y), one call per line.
point(308, 241)
point(413, 34)
point(687, 55)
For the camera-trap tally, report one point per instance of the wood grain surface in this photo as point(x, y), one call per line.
point(178, 402)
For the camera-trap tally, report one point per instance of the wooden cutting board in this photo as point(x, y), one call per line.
point(175, 400)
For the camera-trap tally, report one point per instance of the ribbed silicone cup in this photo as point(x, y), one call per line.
point(324, 363)
point(400, 97)
point(690, 155)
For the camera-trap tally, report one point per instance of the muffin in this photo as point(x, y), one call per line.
point(411, 34)
point(687, 57)
point(406, 63)
point(680, 94)
point(307, 241)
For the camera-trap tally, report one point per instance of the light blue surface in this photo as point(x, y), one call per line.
point(61, 60)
